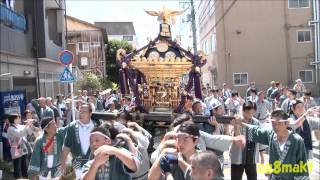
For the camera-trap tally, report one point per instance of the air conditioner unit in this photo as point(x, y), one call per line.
point(84, 61)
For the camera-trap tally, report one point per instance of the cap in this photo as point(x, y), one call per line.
point(68, 100)
point(295, 102)
point(214, 103)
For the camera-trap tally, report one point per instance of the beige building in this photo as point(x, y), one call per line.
point(257, 41)
point(119, 31)
point(86, 41)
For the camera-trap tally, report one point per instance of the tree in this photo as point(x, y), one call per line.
point(90, 82)
point(112, 68)
point(106, 84)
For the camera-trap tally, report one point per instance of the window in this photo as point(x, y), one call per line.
point(303, 36)
point(207, 46)
point(127, 38)
point(240, 79)
point(83, 47)
point(48, 83)
point(5, 84)
point(204, 47)
point(306, 76)
point(211, 4)
point(213, 43)
point(204, 13)
point(293, 4)
point(84, 61)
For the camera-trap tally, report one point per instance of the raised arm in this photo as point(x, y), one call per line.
point(216, 142)
point(258, 134)
point(299, 122)
point(90, 169)
point(126, 157)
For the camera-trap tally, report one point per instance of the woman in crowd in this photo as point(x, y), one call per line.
point(299, 87)
point(20, 147)
point(28, 116)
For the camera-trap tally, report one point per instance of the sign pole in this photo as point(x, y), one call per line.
point(72, 97)
point(66, 58)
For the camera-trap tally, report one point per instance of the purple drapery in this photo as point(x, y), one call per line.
point(194, 81)
point(124, 87)
point(183, 96)
point(134, 88)
point(197, 88)
point(138, 78)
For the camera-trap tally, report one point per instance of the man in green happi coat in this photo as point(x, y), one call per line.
point(77, 140)
point(45, 159)
point(287, 153)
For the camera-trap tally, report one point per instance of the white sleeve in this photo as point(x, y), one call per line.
point(217, 142)
point(314, 123)
point(155, 154)
point(23, 132)
point(143, 141)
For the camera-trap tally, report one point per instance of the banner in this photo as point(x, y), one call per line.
point(12, 102)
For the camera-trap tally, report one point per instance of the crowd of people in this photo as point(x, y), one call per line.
point(279, 121)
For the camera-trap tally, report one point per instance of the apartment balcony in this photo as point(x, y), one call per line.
point(12, 19)
point(15, 38)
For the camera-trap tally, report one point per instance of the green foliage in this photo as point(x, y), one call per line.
point(106, 84)
point(4, 166)
point(112, 68)
point(90, 82)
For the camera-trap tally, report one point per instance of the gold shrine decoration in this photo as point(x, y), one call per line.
point(161, 67)
point(163, 75)
point(165, 30)
point(166, 15)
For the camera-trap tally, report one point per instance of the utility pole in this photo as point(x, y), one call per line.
point(193, 25)
point(192, 18)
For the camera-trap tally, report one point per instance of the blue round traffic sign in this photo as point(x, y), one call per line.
point(66, 57)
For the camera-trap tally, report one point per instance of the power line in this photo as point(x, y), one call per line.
point(202, 16)
point(219, 20)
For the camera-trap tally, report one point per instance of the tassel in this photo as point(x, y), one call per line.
point(197, 87)
point(134, 88)
point(190, 82)
point(124, 88)
point(139, 77)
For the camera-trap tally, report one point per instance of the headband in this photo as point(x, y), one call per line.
point(101, 134)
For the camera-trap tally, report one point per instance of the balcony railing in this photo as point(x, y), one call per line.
point(12, 19)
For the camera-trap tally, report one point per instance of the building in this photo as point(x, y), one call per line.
point(32, 36)
point(119, 30)
point(258, 41)
point(86, 41)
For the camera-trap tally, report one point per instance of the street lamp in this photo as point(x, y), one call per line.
point(5, 74)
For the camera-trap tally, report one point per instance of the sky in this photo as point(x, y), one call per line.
point(130, 10)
